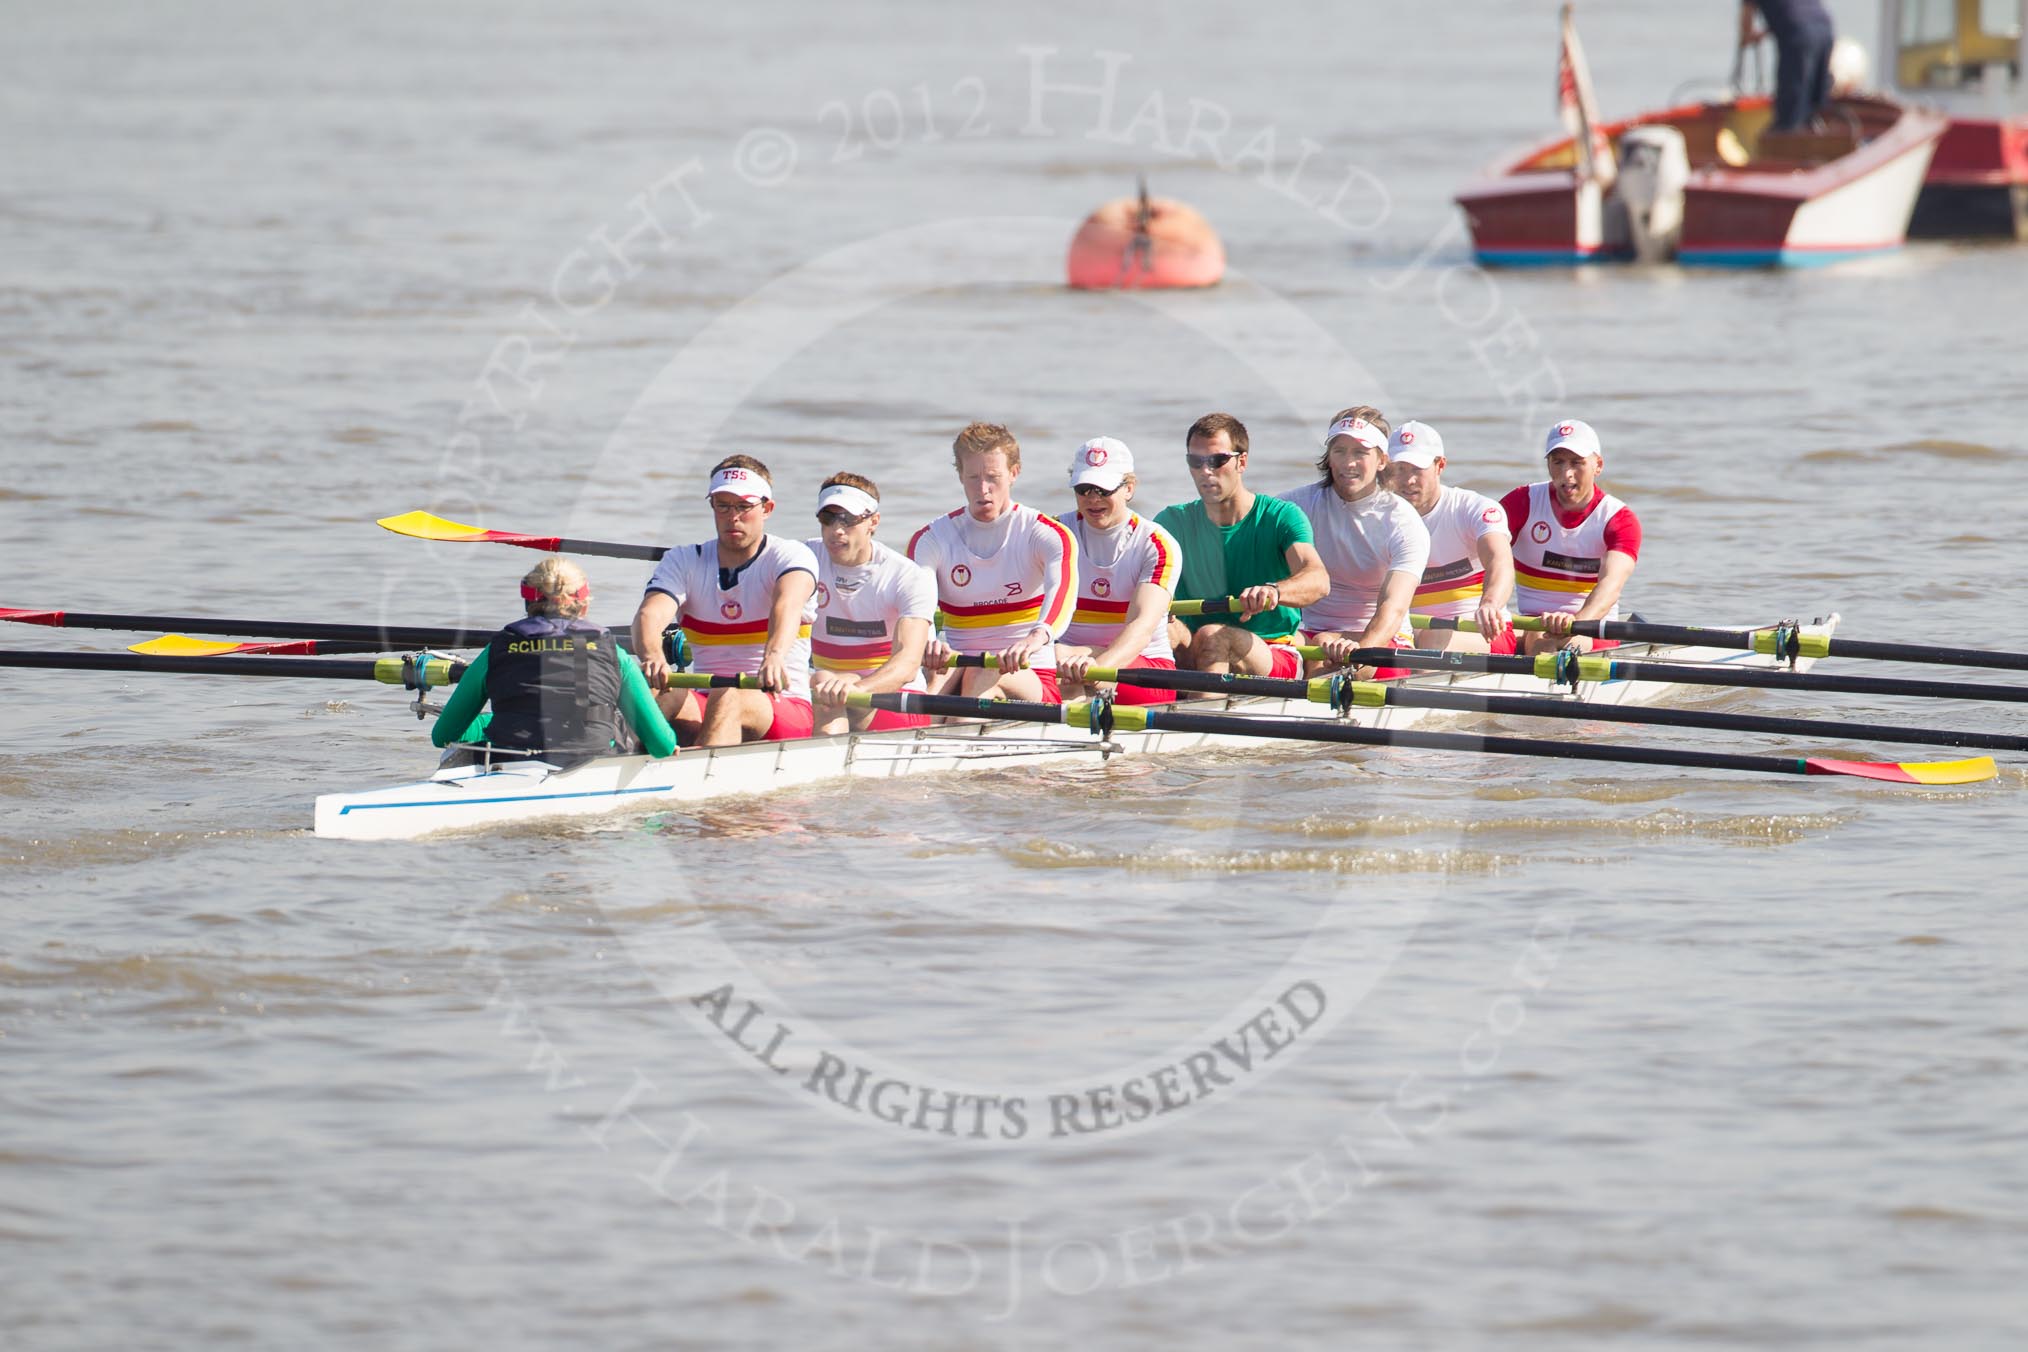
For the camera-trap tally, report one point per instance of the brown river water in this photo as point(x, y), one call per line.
point(1295, 1048)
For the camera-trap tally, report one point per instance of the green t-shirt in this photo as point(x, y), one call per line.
point(1226, 560)
point(463, 721)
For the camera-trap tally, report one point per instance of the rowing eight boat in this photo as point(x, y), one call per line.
point(471, 796)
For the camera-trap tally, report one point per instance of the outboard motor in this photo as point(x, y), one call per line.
point(1654, 170)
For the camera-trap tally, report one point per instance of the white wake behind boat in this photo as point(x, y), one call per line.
point(465, 797)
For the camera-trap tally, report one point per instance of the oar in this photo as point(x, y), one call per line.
point(387, 636)
point(1603, 667)
point(182, 645)
point(387, 670)
point(424, 526)
point(1372, 694)
point(1156, 718)
point(401, 671)
point(1807, 641)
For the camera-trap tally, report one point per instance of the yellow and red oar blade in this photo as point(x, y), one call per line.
point(1974, 770)
point(425, 526)
point(182, 645)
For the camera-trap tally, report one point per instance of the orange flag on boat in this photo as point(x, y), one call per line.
point(1578, 107)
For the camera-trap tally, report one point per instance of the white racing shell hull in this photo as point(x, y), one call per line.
point(467, 797)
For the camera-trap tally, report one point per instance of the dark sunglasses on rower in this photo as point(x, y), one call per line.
point(832, 516)
point(1094, 491)
point(1218, 461)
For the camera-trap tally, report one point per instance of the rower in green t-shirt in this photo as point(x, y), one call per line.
point(1240, 543)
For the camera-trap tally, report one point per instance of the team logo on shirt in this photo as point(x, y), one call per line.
point(823, 596)
point(730, 610)
point(1539, 532)
point(1491, 514)
point(961, 576)
point(1101, 587)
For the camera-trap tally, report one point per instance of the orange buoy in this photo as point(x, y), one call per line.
point(1145, 242)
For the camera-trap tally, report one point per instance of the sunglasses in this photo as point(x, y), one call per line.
point(1094, 491)
point(834, 516)
point(1218, 461)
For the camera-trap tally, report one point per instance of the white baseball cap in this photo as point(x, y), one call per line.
point(743, 483)
point(852, 501)
point(1103, 462)
point(1415, 443)
point(1360, 430)
point(1572, 435)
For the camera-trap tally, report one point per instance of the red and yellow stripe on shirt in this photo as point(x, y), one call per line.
point(1091, 610)
point(849, 656)
point(1543, 580)
point(1025, 612)
point(1450, 589)
point(717, 634)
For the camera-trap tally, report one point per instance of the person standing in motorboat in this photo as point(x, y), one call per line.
point(1803, 34)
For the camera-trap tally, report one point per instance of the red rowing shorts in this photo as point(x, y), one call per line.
point(1286, 664)
point(1143, 694)
point(887, 720)
point(1052, 693)
point(793, 718)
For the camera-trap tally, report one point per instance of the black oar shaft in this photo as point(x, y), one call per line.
point(1640, 631)
point(611, 550)
point(1307, 730)
point(368, 637)
point(1532, 706)
point(1326, 730)
point(1696, 674)
point(1811, 680)
point(1913, 652)
point(388, 635)
point(338, 669)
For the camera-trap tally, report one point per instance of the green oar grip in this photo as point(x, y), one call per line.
point(395, 671)
point(1809, 643)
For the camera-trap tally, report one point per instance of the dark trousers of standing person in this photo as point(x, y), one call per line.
point(1802, 77)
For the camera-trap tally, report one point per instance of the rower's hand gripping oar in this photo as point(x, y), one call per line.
point(424, 526)
point(1155, 718)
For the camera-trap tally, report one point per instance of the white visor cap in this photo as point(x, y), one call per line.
point(743, 483)
point(847, 499)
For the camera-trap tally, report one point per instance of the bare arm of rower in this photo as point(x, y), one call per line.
point(1612, 578)
point(785, 625)
point(656, 613)
point(1059, 597)
point(1496, 556)
point(1306, 584)
point(1149, 608)
point(1390, 613)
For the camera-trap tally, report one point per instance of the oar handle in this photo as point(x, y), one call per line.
point(693, 680)
point(1209, 605)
